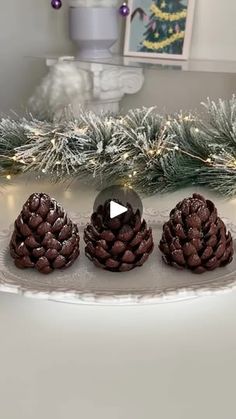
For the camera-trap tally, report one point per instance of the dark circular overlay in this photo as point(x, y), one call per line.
point(123, 194)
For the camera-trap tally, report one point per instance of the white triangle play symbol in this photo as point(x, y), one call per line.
point(116, 209)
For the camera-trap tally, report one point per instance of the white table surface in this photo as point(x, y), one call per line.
point(167, 361)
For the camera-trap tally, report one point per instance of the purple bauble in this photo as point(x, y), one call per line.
point(56, 4)
point(124, 10)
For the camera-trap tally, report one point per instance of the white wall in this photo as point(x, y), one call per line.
point(214, 31)
point(214, 35)
point(31, 27)
point(28, 28)
point(172, 91)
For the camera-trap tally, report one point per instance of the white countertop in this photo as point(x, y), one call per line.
point(167, 361)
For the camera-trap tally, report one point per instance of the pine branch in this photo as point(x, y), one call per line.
point(142, 149)
point(221, 123)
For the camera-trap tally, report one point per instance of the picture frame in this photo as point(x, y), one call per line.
point(159, 29)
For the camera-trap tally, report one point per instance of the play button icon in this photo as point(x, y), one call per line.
point(119, 197)
point(116, 209)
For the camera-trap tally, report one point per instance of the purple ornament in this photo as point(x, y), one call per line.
point(56, 4)
point(124, 10)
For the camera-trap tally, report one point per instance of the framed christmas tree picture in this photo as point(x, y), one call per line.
point(159, 28)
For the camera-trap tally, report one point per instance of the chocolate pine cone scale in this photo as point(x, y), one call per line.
point(195, 238)
point(119, 244)
point(44, 237)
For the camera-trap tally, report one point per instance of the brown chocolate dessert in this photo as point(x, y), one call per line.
point(118, 244)
point(195, 237)
point(44, 237)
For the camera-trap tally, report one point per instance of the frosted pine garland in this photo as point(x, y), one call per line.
point(142, 149)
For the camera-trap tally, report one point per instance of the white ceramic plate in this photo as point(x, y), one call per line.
point(84, 283)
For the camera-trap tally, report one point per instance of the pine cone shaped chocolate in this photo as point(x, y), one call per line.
point(195, 237)
point(118, 244)
point(44, 237)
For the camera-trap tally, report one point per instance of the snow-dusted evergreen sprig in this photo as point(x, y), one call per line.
point(204, 155)
point(53, 148)
point(142, 149)
point(142, 134)
point(103, 150)
point(12, 135)
point(221, 123)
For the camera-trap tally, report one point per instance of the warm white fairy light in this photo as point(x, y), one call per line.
point(81, 131)
point(128, 185)
point(60, 148)
point(231, 164)
point(109, 123)
point(8, 177)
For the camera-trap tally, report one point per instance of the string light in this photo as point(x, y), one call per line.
point(109, 123)
point(82, 131)
point(145, 144)
point(127, 185)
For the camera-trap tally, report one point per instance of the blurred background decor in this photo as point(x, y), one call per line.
point(93, 27)
point(37, 32)
point(95, 86)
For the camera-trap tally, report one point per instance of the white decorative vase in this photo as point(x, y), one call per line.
point(94, 30)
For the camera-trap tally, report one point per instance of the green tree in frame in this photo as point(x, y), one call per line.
point(165, 29)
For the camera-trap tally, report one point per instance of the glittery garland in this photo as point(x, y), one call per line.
point(165, 43)
point(169, 17)
point(141, 150)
